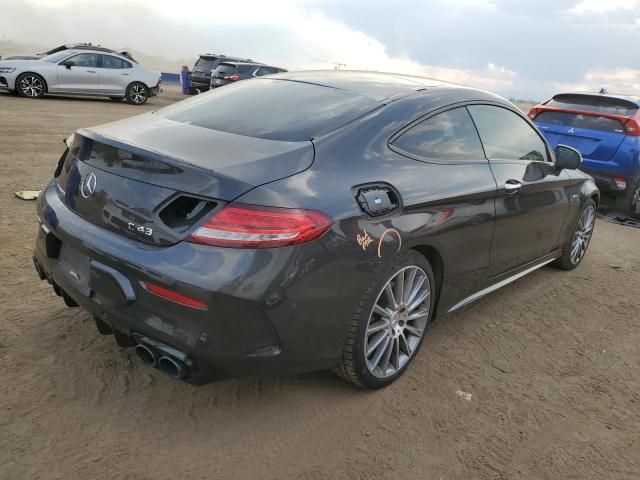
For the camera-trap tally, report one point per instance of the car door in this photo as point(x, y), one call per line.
point(531, 200)
point(115, 75)
point(453, 188)
point(79, 74)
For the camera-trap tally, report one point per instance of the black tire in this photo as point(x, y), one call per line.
point(355, 365)
point(137, 93)
point(30, 85)
point(568, 261)
point(631, 204)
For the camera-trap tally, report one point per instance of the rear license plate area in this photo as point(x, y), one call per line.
point(74, 267)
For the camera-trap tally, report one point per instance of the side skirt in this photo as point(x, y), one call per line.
point(507, 278)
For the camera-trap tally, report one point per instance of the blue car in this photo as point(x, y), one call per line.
point(606, 130)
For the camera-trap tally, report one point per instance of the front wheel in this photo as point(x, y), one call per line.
point(137, 93)
point(576, 246)
point(390, 325)
point(30, 85)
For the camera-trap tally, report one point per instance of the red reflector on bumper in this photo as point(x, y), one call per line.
point(174, 296)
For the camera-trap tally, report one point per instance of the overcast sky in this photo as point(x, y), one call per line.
point(521, 48)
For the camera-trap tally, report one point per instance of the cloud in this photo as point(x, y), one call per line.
point(521, 48)
point(623, 81)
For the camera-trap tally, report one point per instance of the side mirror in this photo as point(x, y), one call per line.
point(567, 157)
point(69, 64)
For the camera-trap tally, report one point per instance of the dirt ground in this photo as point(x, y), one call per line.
point(537, 381)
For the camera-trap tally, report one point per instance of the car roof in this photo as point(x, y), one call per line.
point(90, 47)
point(99, 52)
point(595, 95)
point(225, 58)
point(376, 85)
point(242, 63)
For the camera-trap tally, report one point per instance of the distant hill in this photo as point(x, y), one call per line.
point(7, 47)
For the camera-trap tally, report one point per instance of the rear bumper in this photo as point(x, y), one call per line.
point(606, 183)
point(268, 311)
point(223, 82)
point(201, 84)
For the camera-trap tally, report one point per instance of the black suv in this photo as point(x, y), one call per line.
point(200, 78)
point(228, 72)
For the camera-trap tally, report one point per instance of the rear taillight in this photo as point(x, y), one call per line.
point(251, 226)
point(621, 183)
point(632, 127)
point(232, 78)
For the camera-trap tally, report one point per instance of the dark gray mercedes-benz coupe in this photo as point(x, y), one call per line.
point(305, 221)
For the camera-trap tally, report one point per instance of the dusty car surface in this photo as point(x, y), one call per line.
point(322, 229)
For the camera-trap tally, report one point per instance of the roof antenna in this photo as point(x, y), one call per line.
point(603, 91)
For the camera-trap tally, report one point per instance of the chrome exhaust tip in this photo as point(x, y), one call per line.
point(172, 368)
point(146, 355)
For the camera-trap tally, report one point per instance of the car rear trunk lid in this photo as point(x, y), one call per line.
point(594, 124)
point(115, 177)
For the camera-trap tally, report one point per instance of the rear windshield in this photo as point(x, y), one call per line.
point(590, 122)
point(594, 103)
point(246, 68)
point(272, 109)
point(206, 63)
point(225, 69)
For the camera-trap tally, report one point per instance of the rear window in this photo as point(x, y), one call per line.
point(450, 136)
point(246, 68)
point(581, 121)
point(594, 103)
point(206, 63)
point(225, 69)
point(272, 109)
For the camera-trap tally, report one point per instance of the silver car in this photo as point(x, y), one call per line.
point(81, 72)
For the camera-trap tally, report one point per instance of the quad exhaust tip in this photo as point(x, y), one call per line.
point(172, 368)
point(146, 355)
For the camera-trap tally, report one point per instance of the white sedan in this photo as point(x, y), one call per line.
point(81, 72)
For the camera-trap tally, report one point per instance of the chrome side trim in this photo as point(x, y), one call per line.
point(496, 286)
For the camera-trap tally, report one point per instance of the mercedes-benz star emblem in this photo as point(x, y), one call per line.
point(88, 186)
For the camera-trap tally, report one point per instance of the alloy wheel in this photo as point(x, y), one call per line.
point(635, 201)
point(31, 86)
point(583, 233)
point(138, 94)
point(397, 322)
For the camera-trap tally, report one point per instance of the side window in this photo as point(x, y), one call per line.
point(446, 136)
point(113, 62)
point(85, 60)
point(505, 135)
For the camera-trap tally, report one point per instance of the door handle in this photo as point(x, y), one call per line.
point(124, 74)
point(512, 186)
point(91, 71)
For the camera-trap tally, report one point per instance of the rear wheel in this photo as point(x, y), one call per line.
point(576, 246)
point(137, 93)
point(390, 325)
point(633, 208)
point(30, 85)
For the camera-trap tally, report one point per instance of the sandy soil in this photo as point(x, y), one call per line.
point(538, 381)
